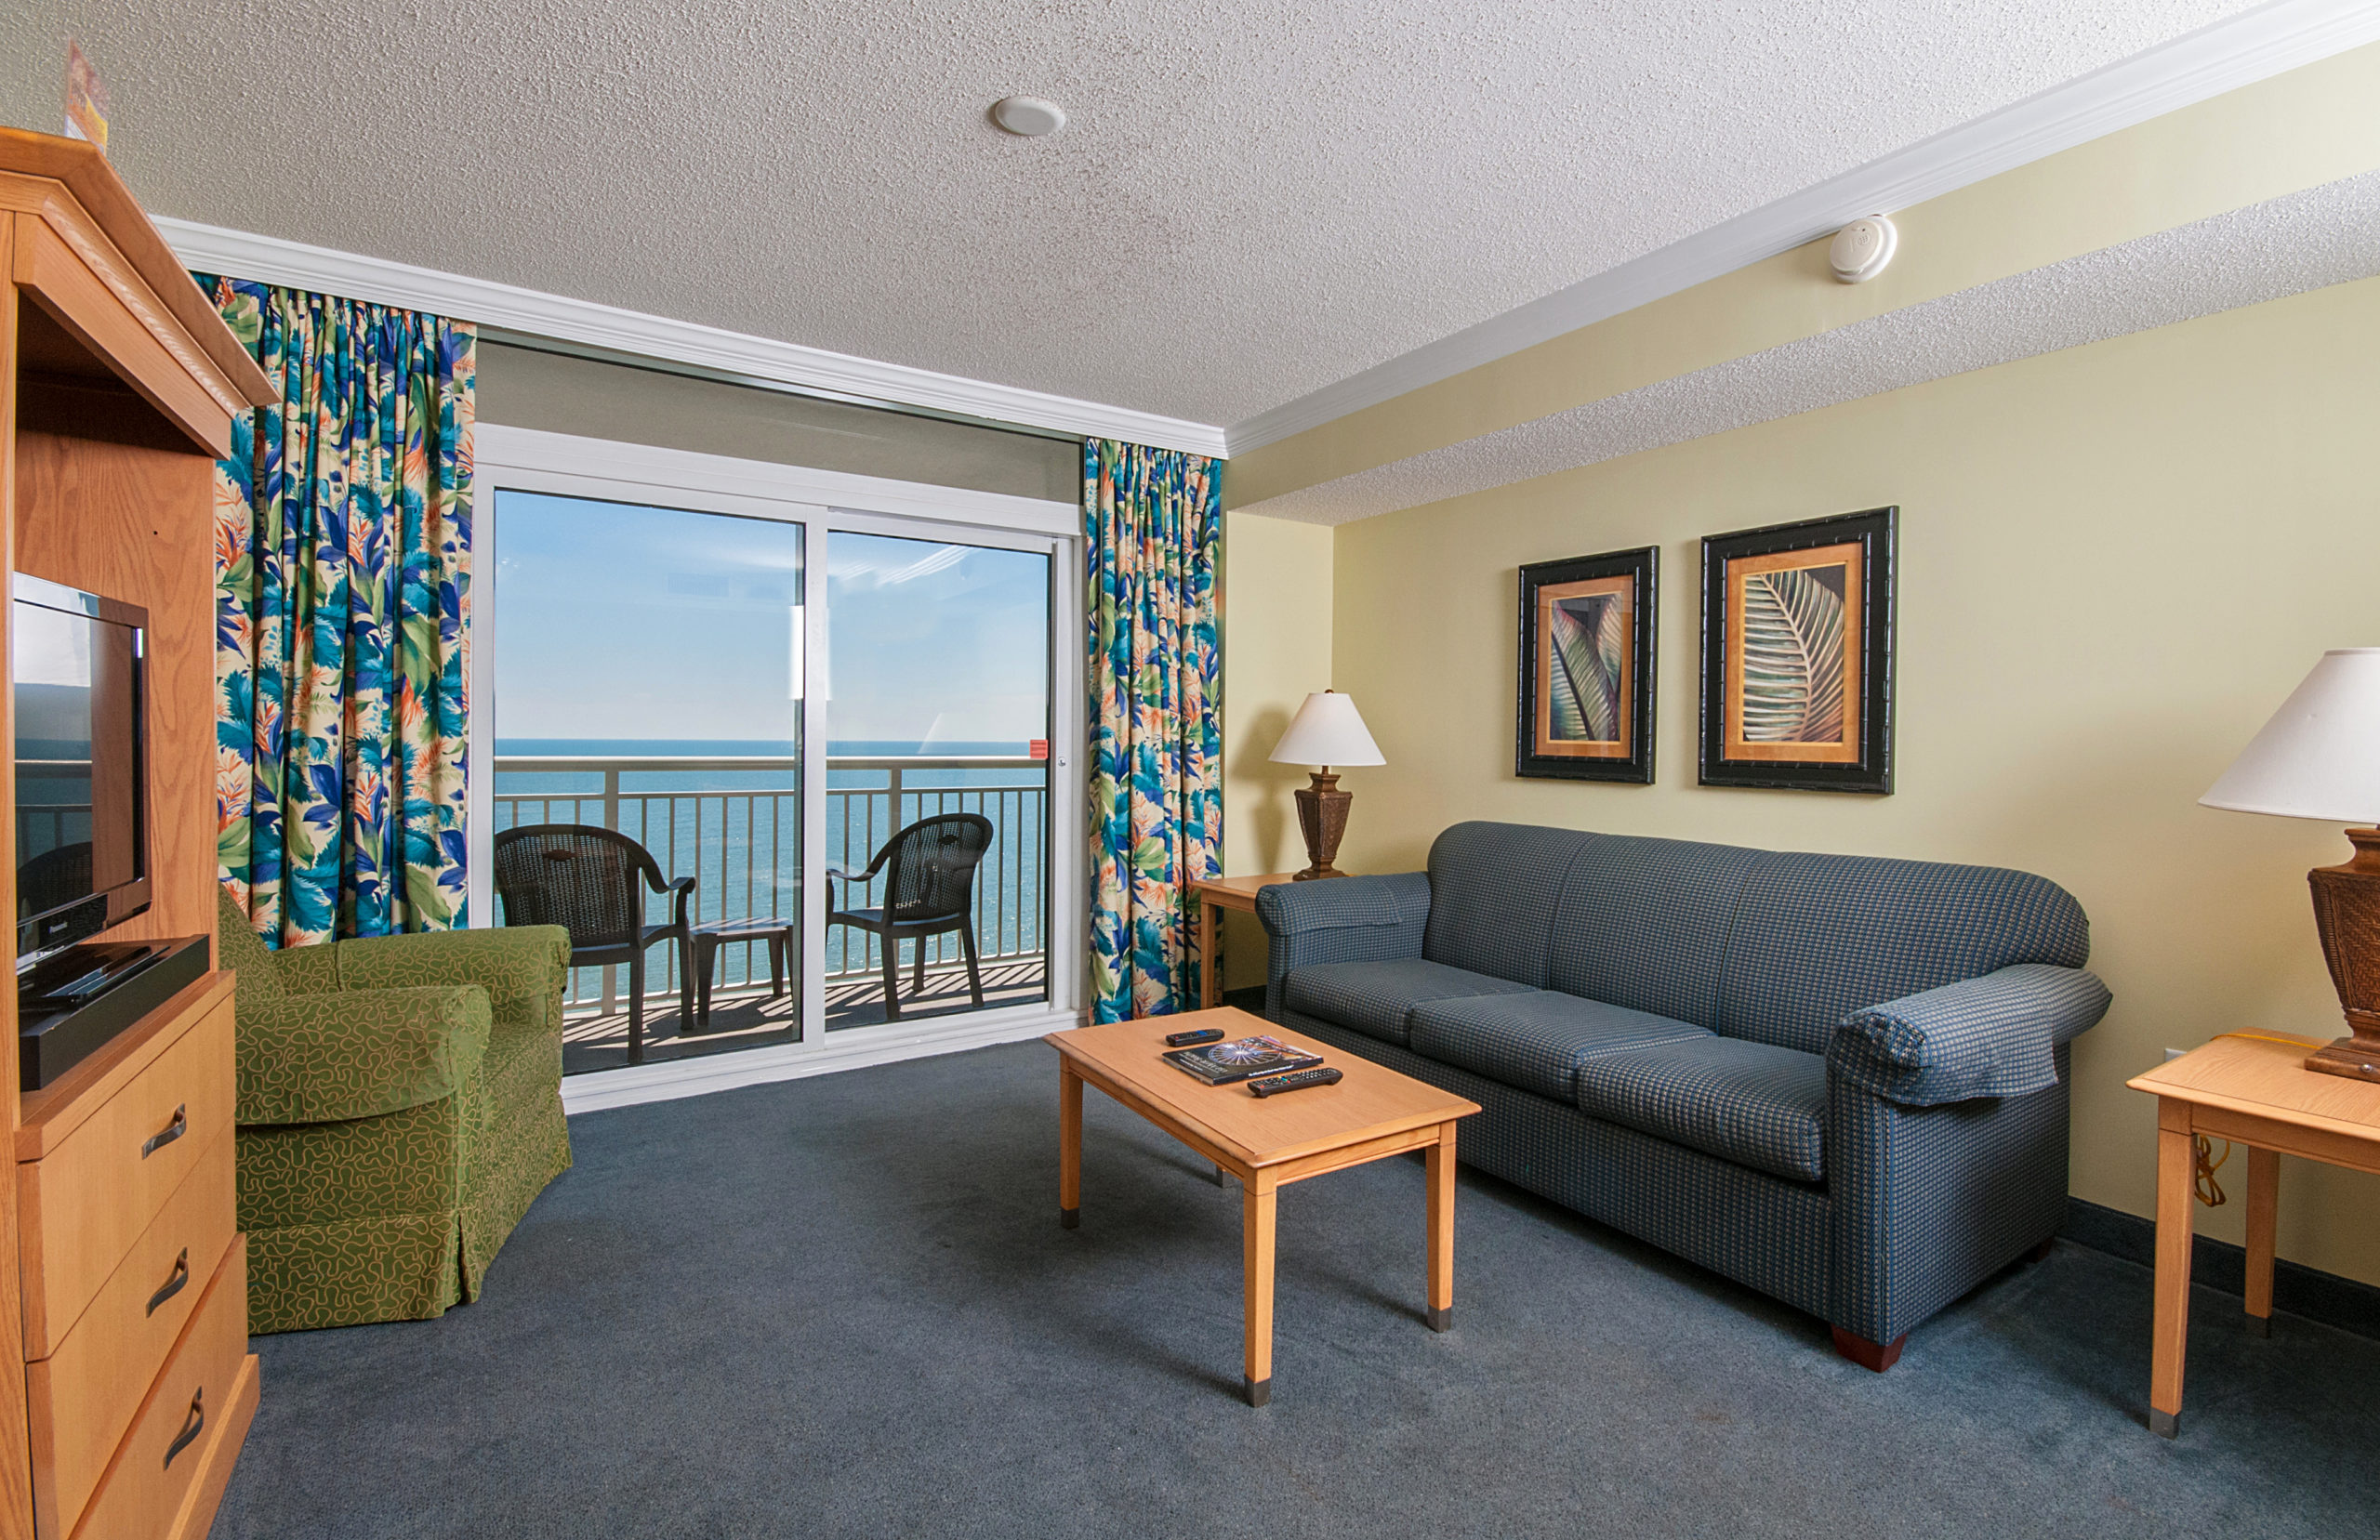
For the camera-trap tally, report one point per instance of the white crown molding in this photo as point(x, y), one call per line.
point(2248, 47)
point(209, 248)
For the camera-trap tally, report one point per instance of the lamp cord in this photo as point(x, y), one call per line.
point(2268, 1037)
point(2210, 1191)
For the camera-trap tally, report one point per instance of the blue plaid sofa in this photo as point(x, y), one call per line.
point(1839, 1080)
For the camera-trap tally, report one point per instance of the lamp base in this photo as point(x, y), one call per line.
point(1322, 818)
point(2346, 912)
point(2356, 1057)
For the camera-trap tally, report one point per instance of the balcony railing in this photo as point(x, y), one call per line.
point(733, 824)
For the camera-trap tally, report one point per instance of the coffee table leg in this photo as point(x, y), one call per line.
point(2169, 1337)
point(2264, 1195)
point(1069, 1146)
point(1256, 1239)
point(1441, 1165)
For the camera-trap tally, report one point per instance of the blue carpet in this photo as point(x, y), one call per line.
point(844, 1307)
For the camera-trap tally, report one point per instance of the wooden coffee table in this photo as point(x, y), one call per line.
point(1266, 1142)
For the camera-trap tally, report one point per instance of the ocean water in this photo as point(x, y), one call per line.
point(736, 829)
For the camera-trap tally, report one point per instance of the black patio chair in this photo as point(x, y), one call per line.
point(930, 891)
point(585, 878)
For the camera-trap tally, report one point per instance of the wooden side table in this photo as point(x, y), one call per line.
point(2250, 1089)
point(1215, 895)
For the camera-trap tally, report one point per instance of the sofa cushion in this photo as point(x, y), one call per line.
point(1536, 1042)
point(1817, 937)
point(1753, 1103)
point(1643, 923)
point(1492, 891)
point(1375, 997)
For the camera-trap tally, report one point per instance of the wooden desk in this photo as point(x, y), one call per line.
point(1216, 895)
point(2251, 1089)
point(1267, 1142)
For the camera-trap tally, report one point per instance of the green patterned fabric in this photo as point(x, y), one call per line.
point(400, 1107)
point(299, 1063)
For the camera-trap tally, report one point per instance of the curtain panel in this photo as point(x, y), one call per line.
point(342, 562)
point(1153, 535)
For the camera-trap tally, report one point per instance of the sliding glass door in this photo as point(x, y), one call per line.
point(938, 725)
point(649, 678)
point(831, 777)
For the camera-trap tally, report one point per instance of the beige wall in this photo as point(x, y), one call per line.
point(2115, 562)
point(1277, 649)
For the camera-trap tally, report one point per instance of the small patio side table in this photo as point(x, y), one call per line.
point(2250, 1089)
point(776, 929)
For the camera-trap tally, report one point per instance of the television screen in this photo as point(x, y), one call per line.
point(82, 856)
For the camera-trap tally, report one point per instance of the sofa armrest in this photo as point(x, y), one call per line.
point(1341, 920)
point(524, 969)
point(361, 1053)
point(1991, 1036)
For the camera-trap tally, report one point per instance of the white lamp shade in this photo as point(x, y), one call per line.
point(1327, 730)
point(2320, 755)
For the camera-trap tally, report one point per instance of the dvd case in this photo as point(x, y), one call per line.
point(1223, 1063)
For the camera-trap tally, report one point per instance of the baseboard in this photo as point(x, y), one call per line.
point(2325, 1297)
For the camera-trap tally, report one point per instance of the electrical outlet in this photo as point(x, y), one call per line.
point(2172, 1054)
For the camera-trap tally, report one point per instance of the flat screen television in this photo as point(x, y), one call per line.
point(81, 771)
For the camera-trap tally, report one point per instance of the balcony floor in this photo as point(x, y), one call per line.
point(751, 1019)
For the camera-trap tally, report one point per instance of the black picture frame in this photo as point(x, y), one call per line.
point(1589, 589)
point(1764, 705)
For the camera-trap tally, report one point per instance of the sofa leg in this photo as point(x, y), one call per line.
point(1874, 1357)
point(2040, 1253)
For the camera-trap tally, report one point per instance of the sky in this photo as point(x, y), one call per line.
point(614, 622)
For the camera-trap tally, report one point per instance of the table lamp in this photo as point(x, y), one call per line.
point(1326, 732)
point(2319, 758)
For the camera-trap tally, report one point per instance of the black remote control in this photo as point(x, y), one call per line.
point(1185, 1039)
point(1296, 1080)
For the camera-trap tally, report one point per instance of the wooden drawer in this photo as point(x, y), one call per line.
point(81, 1206)
point(203, 1396)
point(82, 1397)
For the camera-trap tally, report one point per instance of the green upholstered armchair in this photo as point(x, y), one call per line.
point(400, 1105)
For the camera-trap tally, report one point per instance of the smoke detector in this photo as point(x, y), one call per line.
point(1862, 248)
point(1028, 117)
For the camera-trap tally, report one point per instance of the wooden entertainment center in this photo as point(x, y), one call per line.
point(126, 1305)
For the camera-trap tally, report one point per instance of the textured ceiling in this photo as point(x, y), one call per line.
point(2308, 240)
point(1253, 198)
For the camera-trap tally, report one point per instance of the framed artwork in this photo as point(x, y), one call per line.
point(1797, 655)
point(1585, 706)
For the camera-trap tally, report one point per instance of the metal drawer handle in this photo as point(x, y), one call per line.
point(169, 1133)
point(174, 1285)
point(193, 1426)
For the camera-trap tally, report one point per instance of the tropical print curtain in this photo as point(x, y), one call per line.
point(342, 564)
point(1152, 528)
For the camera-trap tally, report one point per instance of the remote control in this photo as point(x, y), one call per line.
point(1296, 1080)
point(1186, 1039)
